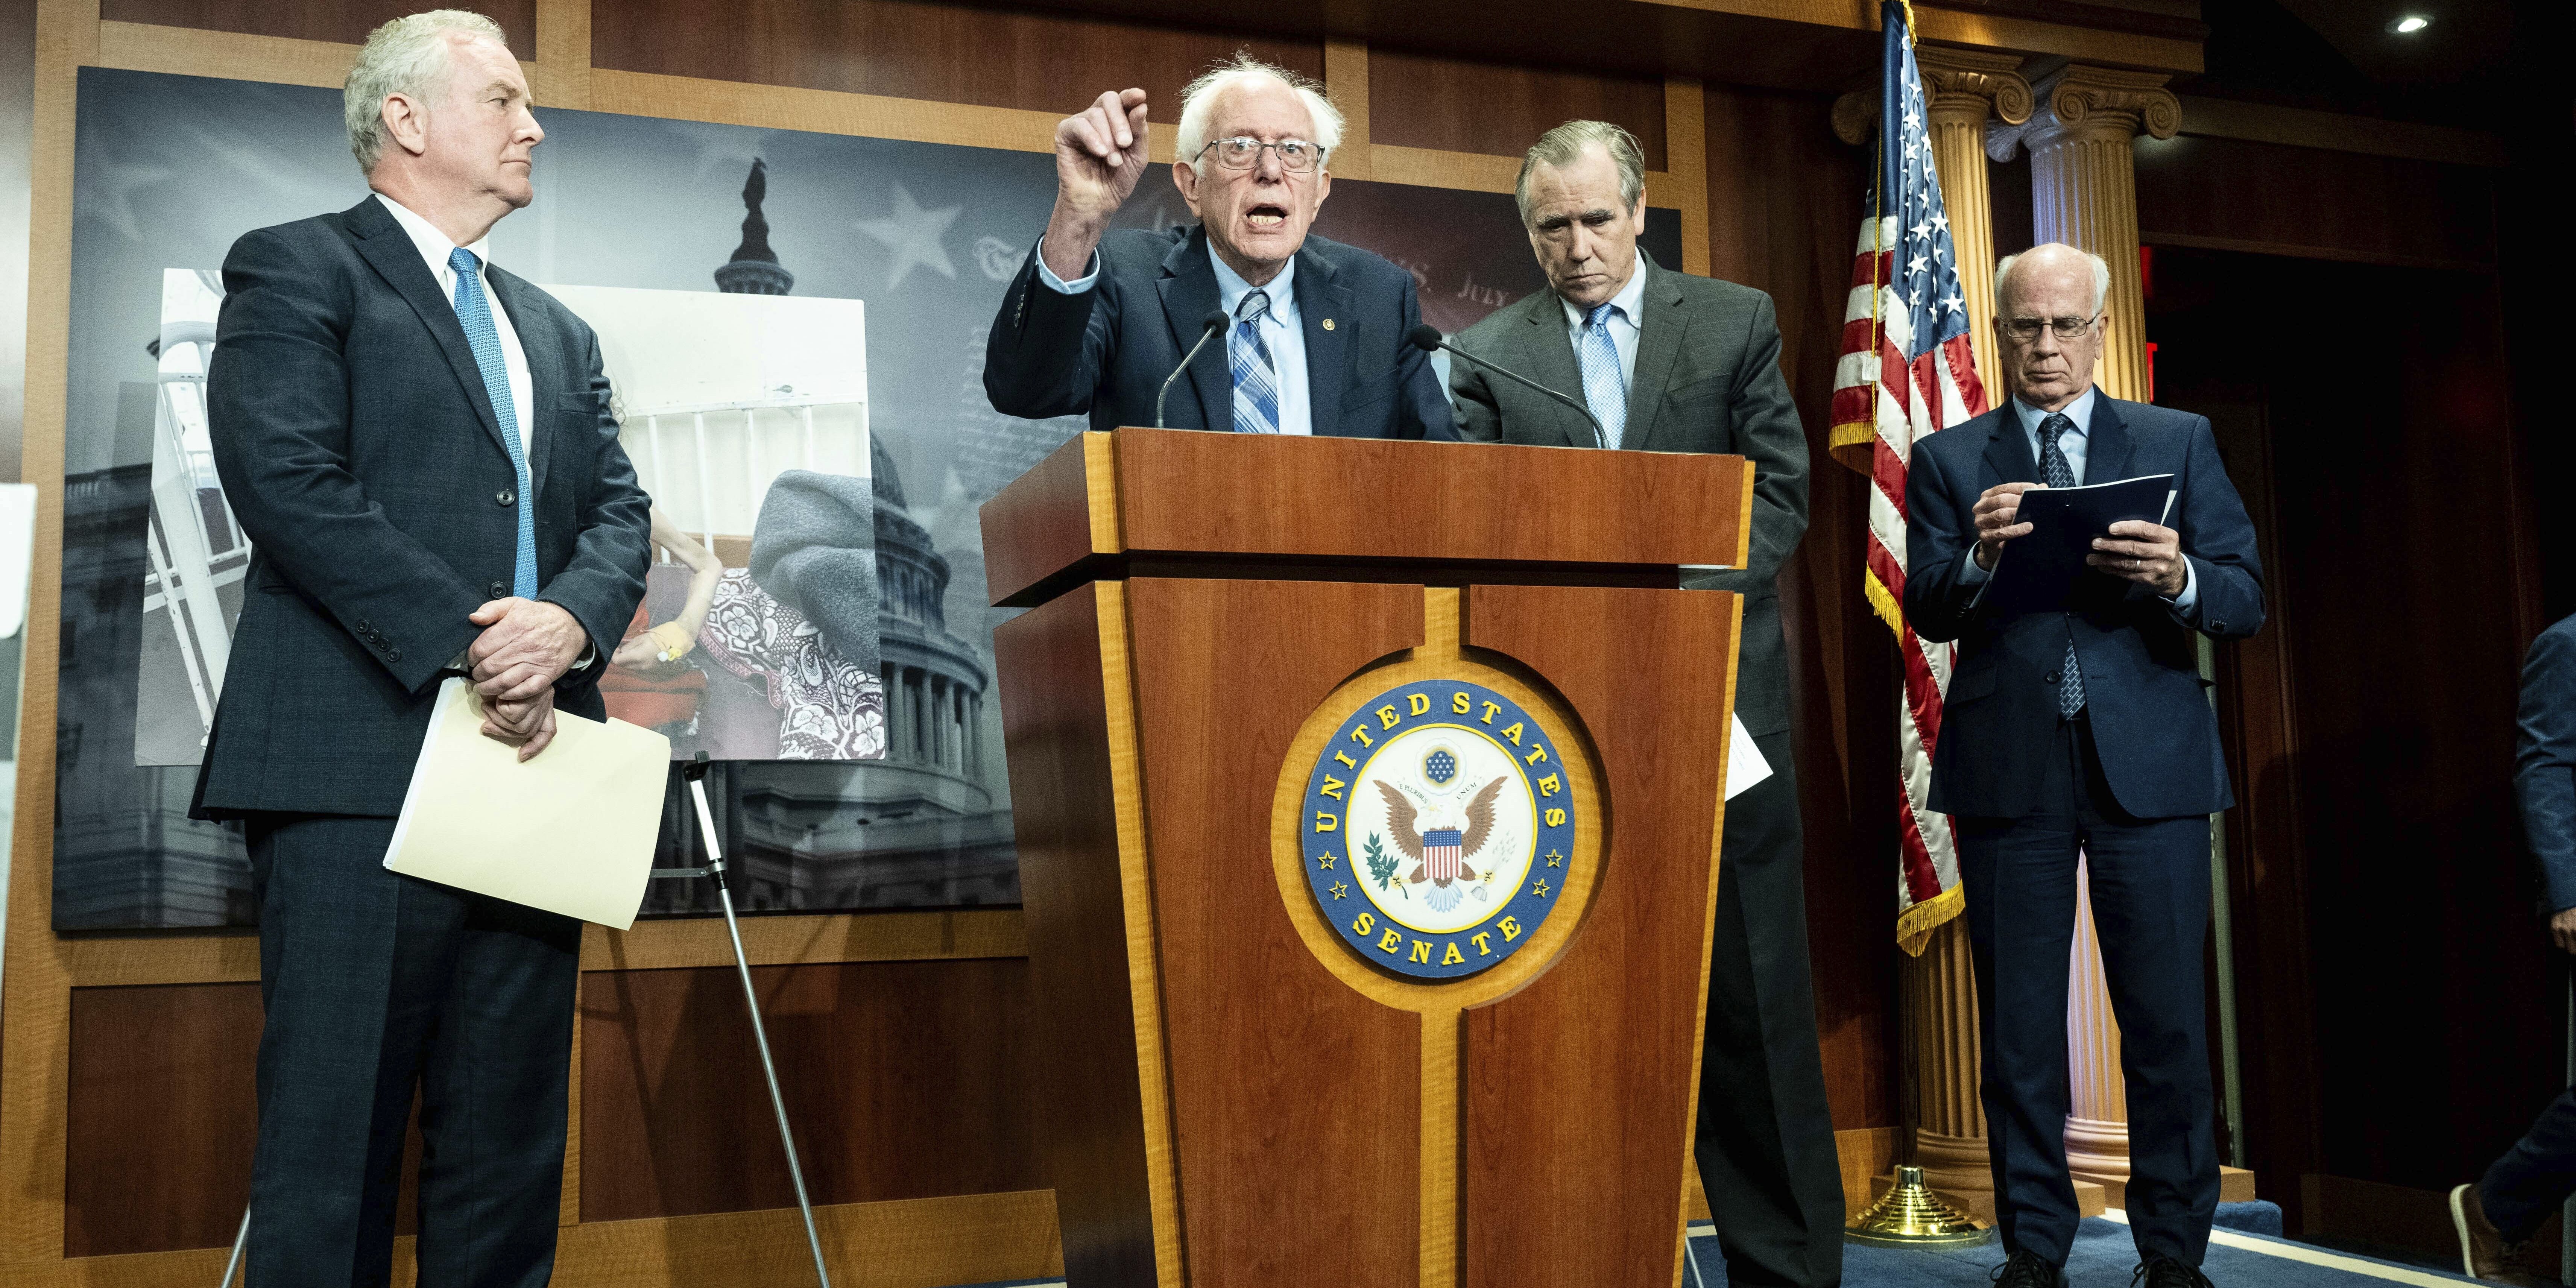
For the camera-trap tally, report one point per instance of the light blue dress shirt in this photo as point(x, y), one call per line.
point(1626, 314)
point(2073, 443)
point(1281, 329)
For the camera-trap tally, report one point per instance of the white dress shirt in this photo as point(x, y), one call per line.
point(1280, 329)
point(2074, 443)
point(1626, 317)
point(434, 249)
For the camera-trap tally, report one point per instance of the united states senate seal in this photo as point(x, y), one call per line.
point(1436, 829)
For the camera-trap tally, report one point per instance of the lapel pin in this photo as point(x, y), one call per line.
point(1328, 324)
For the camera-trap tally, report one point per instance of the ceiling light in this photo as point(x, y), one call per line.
point(2410, 24)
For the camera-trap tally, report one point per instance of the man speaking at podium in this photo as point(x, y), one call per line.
point(2083, 732)
point(420, 448)
point(1667, 362)
point(1301, 335)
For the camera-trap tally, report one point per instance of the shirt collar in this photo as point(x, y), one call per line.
point(1628, 301)
point(2079, 411)
point(1231, 288)
point(432, 244)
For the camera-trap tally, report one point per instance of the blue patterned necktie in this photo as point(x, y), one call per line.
point(1605, 391)
point(2054, 466)
point(1256, 380)
point(475, 313)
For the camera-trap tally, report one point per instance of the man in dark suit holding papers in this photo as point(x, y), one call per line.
point(420, 447)
point(2083, 731)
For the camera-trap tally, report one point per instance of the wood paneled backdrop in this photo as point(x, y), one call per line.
point(125, 1084)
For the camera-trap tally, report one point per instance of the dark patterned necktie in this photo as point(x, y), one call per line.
point(2053, 466)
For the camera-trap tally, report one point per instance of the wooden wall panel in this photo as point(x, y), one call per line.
point(2267, 197)
point(1428, 101)
point(1784, 201)
point(910, 49)
point(162, 1117)
point(904, 1079)
point(345, 21)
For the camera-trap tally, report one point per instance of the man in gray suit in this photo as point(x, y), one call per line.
point(1667, 362)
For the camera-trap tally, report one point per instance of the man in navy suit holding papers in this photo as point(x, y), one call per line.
point(2083, 730)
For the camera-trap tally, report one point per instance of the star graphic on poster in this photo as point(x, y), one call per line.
point(913, 234)
point(109, 198)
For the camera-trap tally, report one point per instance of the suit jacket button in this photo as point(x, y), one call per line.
point(393, 655)
point(2051, 677)
point(2218, 626)
point(504, 496)
point(499, 589)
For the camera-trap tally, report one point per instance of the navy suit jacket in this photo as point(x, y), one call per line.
point(2150, 713)
point(357, 445)
point(1107, 350)
point(2544, 771)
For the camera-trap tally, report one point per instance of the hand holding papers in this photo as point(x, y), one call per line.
point(2037, 570)
point(570, 831)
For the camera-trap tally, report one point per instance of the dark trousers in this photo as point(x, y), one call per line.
point(2149, 880)
point(2536, 1175)
point(376, 984)
point(1766, 1136)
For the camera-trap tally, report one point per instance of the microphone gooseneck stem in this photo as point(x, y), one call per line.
point(1186, 359)
point(1600, 437)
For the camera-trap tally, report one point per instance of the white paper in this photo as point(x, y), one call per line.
point(571, 831)
point(1744, 763)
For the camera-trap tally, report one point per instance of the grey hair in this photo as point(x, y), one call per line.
point(2101, 275)
point(1564, 146)
point(1198, 102)
point(408, 56)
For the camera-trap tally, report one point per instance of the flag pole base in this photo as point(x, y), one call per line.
point(1912, 1216)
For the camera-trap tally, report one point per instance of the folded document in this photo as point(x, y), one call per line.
point(571, 831)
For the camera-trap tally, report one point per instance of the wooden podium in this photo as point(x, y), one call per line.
point(1368, 797)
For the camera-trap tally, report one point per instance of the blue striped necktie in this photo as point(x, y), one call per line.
point(1605, 390)
point(475, 313)
point(2061, 473)
point(1256, 379)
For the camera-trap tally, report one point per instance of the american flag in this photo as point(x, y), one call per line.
point(1906, 371)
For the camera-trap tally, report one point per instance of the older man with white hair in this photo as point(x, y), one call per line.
point(1313, 332)
point(419, 446)
point(2081, 734)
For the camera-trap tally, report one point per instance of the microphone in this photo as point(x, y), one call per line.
point(1214, 323)
point(1426, 337)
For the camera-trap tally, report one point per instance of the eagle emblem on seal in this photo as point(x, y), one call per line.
point(1440, 834)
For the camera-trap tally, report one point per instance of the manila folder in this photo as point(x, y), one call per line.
point(571, 831)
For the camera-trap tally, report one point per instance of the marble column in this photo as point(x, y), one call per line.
point(1966, 88)
point(2084, 192)
point(2084, 189)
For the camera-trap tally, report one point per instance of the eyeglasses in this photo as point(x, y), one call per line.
point(2027, 329)
point(1296, 156)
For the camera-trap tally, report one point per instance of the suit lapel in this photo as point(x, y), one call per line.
point(2106, 446)
point(546, 378)
point(1323, 312)
point(1189, 294)
point(1550, 361)
point(1659, 344)
point(391, 253)
point(2008, 451)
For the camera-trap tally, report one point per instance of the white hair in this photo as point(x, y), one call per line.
point(410, 56)
point(1564, 145)
point(2101, 274)
point(1198, 102)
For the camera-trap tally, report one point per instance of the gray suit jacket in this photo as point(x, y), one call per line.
point(1708, 380)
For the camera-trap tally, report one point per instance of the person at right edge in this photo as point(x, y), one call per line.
point(2083, 733)
point(1669, 362)
point(2495, 1214)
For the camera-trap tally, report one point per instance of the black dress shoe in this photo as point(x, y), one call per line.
point(2165, 1272)
point(2025, 1269)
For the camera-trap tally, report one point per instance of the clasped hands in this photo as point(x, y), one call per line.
point(526, 645)
point(2149, 554)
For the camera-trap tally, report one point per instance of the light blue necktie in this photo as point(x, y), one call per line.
point(475, 313)
point(2060, 472)
point(1605, 391)
point(1256, 379)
